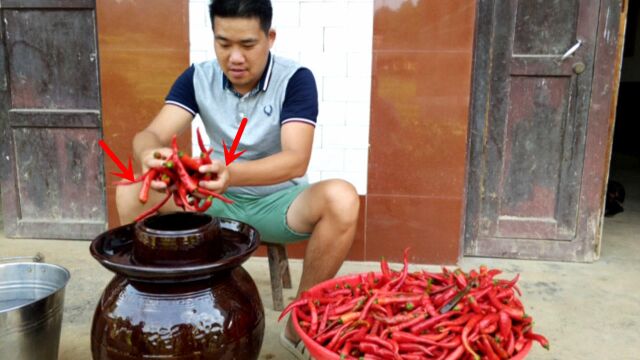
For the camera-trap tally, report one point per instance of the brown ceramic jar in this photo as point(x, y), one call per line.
point(179, 291)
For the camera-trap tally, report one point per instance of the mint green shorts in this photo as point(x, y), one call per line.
point(268, 214)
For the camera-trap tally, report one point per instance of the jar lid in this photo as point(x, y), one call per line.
point(114, 250)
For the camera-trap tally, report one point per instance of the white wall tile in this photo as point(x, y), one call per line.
point(332, 112)
point(198, 56)
point(317, 137)
point(335, 89)
point(327, 160)
point(303, 39)
point(336, 39)
point(345, 137)
point(325, 63)
point(359, 88)
point(359, 63)
point(314, 176)
point(358, 113)
point(285, 13)
point(198, 14)
point(353, 160)
point(330, 13)
point(360, 14)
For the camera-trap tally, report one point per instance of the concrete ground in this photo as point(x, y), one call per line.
point(588, 311)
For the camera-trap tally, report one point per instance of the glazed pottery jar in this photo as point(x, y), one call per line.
point(179, 292)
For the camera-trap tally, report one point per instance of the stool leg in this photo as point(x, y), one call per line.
point(286, 275)
point(276, 277)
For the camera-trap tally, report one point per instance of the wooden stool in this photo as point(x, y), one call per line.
point(279, 273)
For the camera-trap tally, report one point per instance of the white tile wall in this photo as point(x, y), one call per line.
point(333, 38)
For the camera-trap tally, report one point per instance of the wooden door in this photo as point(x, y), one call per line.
point(532, 105)
point(52, 176)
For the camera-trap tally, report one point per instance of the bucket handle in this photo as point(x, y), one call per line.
point(38, 257)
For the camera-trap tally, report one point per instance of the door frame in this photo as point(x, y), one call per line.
point(599, 133)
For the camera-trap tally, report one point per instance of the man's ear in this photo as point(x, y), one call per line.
point(272, 37)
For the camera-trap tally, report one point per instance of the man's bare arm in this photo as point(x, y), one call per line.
point(157, 135)
point(291, 162)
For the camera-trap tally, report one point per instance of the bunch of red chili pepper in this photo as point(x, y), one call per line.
point(420, 315)
point(181, 174)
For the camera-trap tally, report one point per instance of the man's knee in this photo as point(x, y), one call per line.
point(342, 201)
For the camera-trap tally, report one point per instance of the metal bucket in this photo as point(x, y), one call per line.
point(31, 304)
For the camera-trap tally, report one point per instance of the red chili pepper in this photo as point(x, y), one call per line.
point(415, 348)
point(488, 320)
point(339, 292)
point(188, 161)
point(177, 200)
point(539, 338)
point(402, 299)
point(387, 275)
point(291, 306)
point(465, 335)
point(153, 209)
point(146, 185)
point(204, 153)
point(369, 348)
point(522, 353)
point(349, 317)
point(512, 312)
point(427, 324)
point(350, 306)
point(314, 318)
point(505, 324)
point(511, 345)
point(456, 354)
point(206, 204)
point(396, 284)
point(337, 335)
point(460, 278)
point(401, 336)
point(215, 195)
point(136, 180)
point(490, 329)
point(459, 321)
point(487, 349)
point(186, 180)
point(501, 352)
point(182, 192)
point(471, 300)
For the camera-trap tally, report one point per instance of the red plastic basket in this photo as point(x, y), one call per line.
point(321, 353)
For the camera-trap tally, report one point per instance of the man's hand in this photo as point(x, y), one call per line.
point(150, 159)
point(220, 179)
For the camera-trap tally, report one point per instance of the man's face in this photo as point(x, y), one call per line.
point(242, 49)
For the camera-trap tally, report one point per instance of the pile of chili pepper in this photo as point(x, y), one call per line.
point(419, 315)
point(181, 174)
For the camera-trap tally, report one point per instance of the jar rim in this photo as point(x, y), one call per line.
point(153, 225)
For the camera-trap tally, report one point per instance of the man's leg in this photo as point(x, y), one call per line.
point(129, 207)
point(329, 211)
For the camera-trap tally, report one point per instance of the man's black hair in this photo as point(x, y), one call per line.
point(260, 9)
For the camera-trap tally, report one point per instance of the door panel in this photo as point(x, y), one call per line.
point(528, 134)
point(52, 176)
point(55, 71)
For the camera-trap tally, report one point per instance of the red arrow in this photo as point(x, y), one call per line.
point(127, 173)
point(230, 155)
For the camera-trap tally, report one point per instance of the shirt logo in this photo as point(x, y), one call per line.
point(268, 109)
